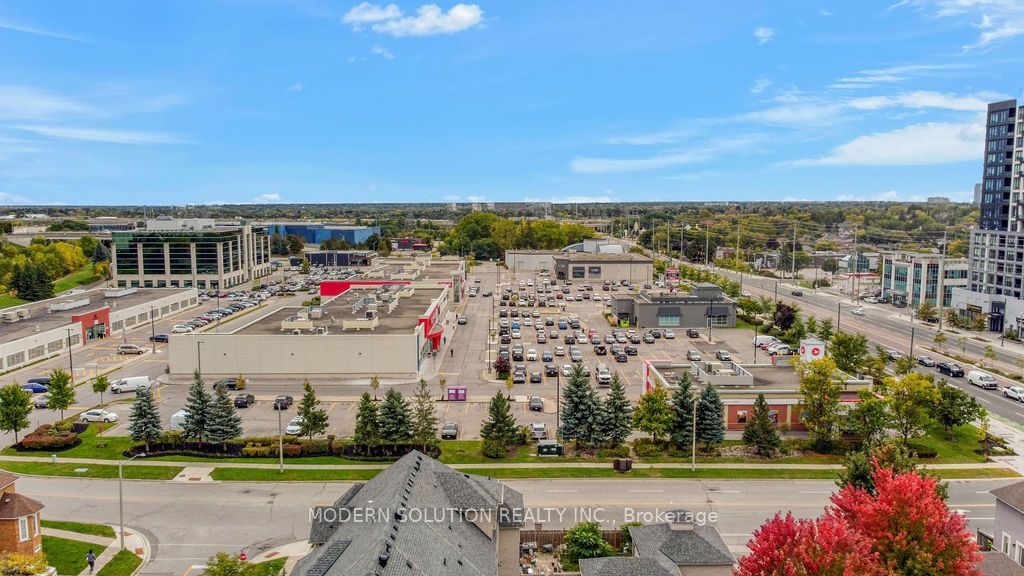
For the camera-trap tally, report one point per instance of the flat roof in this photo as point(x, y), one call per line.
point(603, 257)
point(402, 320)
point(42, 319)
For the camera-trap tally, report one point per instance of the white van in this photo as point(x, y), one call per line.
point(604, 376)
point(178, 420)
point(983, 379)
point(764, 339)
point(131, 384)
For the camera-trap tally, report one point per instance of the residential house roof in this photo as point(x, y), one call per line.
point(998, 564)
point(624, 566)
point(427, 519)
point(6, 479)
point(1012, 495)
point(681, 544)
point(14, 505)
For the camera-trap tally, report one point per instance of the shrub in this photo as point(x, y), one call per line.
point(311, 447)
point(172, 437)
point(256, 451)
point(646, 447)
point(292, 450)
point(617, 452)
point(48, 437)
point(494, 449)
point(523, 436)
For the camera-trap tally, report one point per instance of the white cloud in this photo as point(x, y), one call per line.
point(890, 75)
point(268, 198)
point(653, 138)
point(698, 152)
point(296, 87)
point(134, 137)
point(15, 27)
point(367, 13)
point(6, 198)
point(383, 52)
point(825, 13)
point(921, 99)
point(764, 34)
point(476, 198)
point(998, 20)
point(429, 20)
point(760, 85)
point(28, 103)
point(915, 145)
point(887, 196)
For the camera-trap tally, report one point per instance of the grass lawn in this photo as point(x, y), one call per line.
point(272, 475)
point(93, 446)
point(80, 527)
point(92, 470)
point(957, 452)
point(83, 275)
point(268, 568)
point(122, 564)
point(68, 556)
point(7, 301)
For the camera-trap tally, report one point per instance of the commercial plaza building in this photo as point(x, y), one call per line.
point(583, 266)
point(315, 233)
point(912, 278)
point(38, 330)
point(706, 305)
point(190, 253)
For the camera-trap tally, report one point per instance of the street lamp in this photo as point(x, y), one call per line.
point(199, 358)
point(839, 314)
point(693, 434)
point(71, 360)
point(280, 441)
point(120, 493)
point(152, 328)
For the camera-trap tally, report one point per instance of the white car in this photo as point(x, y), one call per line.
point(294, 425)
point(517, 334)
point(746, 294)
point(559, 350)
point(669, 334)
point(181, 329)
point(531, 355)
point(567, 370)
point(1015, 392)
point(99, 416)
point(871, 300)
point(858, 311)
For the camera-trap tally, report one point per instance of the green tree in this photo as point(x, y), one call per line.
point(295, 243)
point(374, 385)
point(384, 247)
point(499, 430)
point(653, 414)
point(581, 411)
point(15, 406)
point(240, 382)
point(820, 389)
point(224, 423)
point(683, 404)
point(424, 419)
point(367, 432)
point(927, 311)
point(61, 390)
point(903, 365)
point(314, 418)
point(100, 253)
point(710, 417)
point(953, 407)
point(100, 385)
point(394, 418)
point(31, 281)
point(849, 351)
point(197, 410)
point(223, 564)
point(825, 329)
point(584, 540)
point(760, 431)
point(830, 265)
point(869, 418)
point(618, 413)
point(909, 400)
point(940, 339)
point(858, 466)
point(990, 353)
point(145, 418)
point(811, 325)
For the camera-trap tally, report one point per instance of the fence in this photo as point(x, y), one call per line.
point(557, 537)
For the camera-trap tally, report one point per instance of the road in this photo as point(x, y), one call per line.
point(187, 523)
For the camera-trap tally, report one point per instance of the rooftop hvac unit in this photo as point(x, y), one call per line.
point(296, 332)
point(24, 313)
point(9, 316)
point(120, 292)
point(371, 314)
point(321, 330)
point(316, 313)
point(68, 305)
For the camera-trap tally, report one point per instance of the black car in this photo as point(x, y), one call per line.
point(536, 378)
point(797, 292)
point(244, 400)
point(692, 333)
point(631, 351)
point(621, 357)
point(634, 339)
point(536, 403)
point(656, 333)
point(503, 314)
point(648, 338)
point(600, 350)
point(950, 369)
point(450, 431)
point(163, 338)
point(227, 384)
point(569, 339)
point(462, 320)
point(551, 370)
point(283, 402)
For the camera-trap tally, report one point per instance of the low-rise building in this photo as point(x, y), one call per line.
point(19, 519)
point(680, 546)
point(705, 306)
point(37, 330)
point(317, 232)
point(341, 258)
point(627, 267)
point(530, 260)
point(430, 519)
point(914, 277)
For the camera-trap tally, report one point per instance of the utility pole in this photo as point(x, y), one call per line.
point(707, 244)
point(911, 342)
point(856, 266)
point(739, 231)
point(793, 255)
point(942, 275)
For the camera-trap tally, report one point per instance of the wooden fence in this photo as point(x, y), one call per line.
point(557, 537)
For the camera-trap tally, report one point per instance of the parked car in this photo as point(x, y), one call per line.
point(536, 378)
point(244, 400)
point(531, 355)
point(723, 355)
point(631, 350)
point(621, 356)
point(161, 338)
point(982, 379)
point(283, 402)
point(648, 338)
point(567, 370)
point(539, 430)
point(551, 370)
point(130, 384)
point(670, 335)
point(42, 402)
point(600, 350)
point(780, 350)
point(226, 383)
point(559, 350)
point(692, 333)
point(536, 403)
point(450, 431)
point(294, 425)
point(181, 329)
point(693, 355)
point(462, 320)
point(130, 349)
point(519, 378)
point(98, 415)
point(547, 356)
point(926, 361)
point(950, 369)
point(1015, 392)
point(34, 387)
point(893, 354)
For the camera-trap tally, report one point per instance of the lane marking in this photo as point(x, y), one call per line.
point(561, 491)
point(645, 491)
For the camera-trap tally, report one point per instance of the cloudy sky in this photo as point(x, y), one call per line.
point(209, 101)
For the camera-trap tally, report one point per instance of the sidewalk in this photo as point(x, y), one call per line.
point(134, 542)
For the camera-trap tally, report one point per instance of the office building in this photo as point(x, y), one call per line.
point(913, 278)
point(340, 258)
point(996, 256)
point(190, 253)
point(315, 233)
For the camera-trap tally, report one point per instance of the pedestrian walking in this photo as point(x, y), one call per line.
point(453, 352)
point(91, 559)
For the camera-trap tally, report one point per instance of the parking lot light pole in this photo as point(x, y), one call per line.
point(152, 328)
point(71, 360)
point(693, 435)
point(120, 494)
point(839, 314)
point(199, 358)
point(280, 444)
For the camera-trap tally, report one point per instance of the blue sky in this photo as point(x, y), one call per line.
point(211, 101)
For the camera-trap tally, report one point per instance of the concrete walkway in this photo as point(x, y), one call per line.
point(133, 542)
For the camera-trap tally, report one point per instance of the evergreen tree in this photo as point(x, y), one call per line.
point(367, 432)
point(314, 418)
point(197, 410)
point(498, 432)
point(224, 422)
point(760, 430)
point(15, 406)
point(61, 390)
point(394, 418)
point(100, 253)
point(710, 417)
point(581, 411)
point(618, 413)
point(32, 282)
point(145, 418)
point(682, 418)
point(424, 420)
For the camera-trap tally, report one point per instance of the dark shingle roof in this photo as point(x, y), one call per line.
point(1012, 495)
point(624, 567)
point(999, 564)
point(14, 505)
point(694, 546)
point(421, 524)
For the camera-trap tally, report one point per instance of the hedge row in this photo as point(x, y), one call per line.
point(46, 437)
